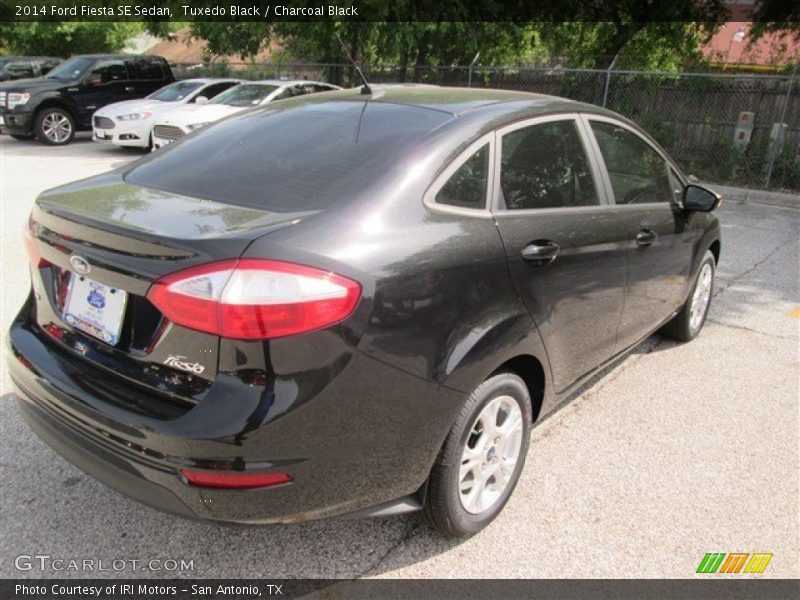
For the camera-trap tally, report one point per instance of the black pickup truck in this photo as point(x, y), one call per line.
point(52, 108)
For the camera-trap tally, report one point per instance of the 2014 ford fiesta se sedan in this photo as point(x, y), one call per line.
point(356, 302)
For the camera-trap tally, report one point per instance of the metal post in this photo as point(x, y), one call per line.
point(471, 65)
point(774, 152)
point(608, 79)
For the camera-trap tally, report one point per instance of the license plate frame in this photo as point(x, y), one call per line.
point(95, 308)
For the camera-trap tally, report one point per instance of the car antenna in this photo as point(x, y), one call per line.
point(365, 89)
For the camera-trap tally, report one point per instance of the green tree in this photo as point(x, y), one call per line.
point(65, 38)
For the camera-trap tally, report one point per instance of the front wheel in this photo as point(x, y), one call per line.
point(482, 457)
point(686, 325)
point(54, 126)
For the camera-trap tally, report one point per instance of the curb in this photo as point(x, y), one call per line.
point(749, 196)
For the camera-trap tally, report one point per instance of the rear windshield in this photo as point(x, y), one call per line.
point(175, 91)
point(294, 156)
point(246, 94)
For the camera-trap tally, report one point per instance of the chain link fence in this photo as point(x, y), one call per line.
point(733, 129)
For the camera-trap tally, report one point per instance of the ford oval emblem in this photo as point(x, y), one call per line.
point(79, 264)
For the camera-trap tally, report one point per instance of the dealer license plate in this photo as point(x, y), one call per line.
point(95, 308)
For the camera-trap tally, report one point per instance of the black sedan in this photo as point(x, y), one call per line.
point(352, 302)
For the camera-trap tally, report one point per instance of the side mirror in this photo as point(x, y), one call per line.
point(700, 199)
point(201, 100)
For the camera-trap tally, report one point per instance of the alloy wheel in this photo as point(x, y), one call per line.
point(56, 127)
point(490, 454)
point(701, 296)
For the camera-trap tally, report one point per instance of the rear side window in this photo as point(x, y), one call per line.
point(466, 188)
point(545, 166)
point(144, 68)
point(638, 173)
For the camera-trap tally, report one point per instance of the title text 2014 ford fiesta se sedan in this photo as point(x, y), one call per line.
point(353, 302)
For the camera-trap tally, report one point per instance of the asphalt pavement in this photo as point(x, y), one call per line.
point(676, 451)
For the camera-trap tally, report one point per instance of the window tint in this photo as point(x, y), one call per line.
point(639, 175)
point(108, 71)
point(144, 68)
point(467, 186)
point(216, 88)
point(545, 166)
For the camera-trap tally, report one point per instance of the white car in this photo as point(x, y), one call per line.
point(179, 122)
point(130, 123)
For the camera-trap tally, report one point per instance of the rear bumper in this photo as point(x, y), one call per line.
point(376, 461)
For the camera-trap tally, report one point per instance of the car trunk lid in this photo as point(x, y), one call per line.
point(125, 237)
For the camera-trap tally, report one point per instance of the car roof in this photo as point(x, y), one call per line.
point(457, 101)
point(210, 79)
point(15, 57)
point(284, 82)
point(118, 56)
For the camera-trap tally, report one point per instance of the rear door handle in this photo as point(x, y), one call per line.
point(129, 88)
point(540, 252)
point(645, 237)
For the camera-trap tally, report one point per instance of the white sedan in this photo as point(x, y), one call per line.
point(179, 122)
point(130, 123)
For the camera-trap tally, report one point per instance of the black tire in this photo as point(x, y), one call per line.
point(47, 135)
point(443, 508)
point(22, 138)
point(680, 327)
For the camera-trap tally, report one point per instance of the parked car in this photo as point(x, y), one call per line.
point(55, 106)
point(352, 303)
point(130, 123)
point(23, 67)
point(178, 123)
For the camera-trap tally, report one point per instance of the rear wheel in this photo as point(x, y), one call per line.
point(688, 323)
point(54, 126)
point(480, 463)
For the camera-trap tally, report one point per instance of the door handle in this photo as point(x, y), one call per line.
point(540, 252)
point(129, 88)
point(645, 237)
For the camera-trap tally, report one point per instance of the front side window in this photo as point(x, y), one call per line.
point(107, 72)
point(545, 166)
point(246, 94)
point(215, 89)
point(466, 188)
point(638, 173)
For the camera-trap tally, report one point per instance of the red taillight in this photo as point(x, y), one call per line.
point(254, 299)
point(232, 480)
